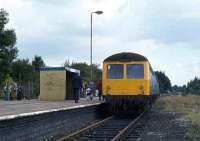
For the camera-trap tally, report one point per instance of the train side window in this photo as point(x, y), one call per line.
point(135, 71)
point(115, 71)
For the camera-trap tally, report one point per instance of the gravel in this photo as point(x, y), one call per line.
point(164, 126)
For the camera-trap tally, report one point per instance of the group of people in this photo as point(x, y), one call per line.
point(92, 90)
point(12, 92)
point(88, 88)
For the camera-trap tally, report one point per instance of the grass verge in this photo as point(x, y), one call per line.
point(188, 105)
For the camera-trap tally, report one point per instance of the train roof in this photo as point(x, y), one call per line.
point(126, 57)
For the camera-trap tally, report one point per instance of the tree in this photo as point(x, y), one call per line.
point(37, 63)
point(22, 71)
point(179, 89)
point(67, 63)
point(164, 82)
point(85, 70)
point(193, 86)
point(8, 51)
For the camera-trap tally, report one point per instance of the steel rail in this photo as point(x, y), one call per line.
point(79, 132)
point(119, 136)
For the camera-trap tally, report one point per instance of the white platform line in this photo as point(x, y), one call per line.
point(9, 117)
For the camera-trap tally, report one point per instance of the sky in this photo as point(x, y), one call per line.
point(166, 32)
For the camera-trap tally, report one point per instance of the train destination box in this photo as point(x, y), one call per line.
point(55, 83)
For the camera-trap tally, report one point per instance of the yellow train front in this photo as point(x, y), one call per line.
point(128, 80)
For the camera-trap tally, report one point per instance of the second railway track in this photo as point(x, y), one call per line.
point(113, 128)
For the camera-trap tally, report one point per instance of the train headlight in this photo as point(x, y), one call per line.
point(107, 89)
point(141, 88)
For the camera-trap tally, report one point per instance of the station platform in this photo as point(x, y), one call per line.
point(23, 108)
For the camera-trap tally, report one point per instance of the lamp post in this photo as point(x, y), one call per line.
point(91, 70)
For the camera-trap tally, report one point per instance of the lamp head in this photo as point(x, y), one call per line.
point(99, 12)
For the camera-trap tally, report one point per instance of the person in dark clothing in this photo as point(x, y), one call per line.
point(19, 93)
point(99, 87)
point(77, 85)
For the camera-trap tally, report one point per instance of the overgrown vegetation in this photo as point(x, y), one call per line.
point(189, 105)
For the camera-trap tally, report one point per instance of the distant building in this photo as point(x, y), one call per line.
point(55, 83)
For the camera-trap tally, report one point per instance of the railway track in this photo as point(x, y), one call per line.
point(113, 128)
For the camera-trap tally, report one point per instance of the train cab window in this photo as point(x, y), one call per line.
point(115, 71)
point(135, 71)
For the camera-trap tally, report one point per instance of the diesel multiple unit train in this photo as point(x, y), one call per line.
point(128, 80)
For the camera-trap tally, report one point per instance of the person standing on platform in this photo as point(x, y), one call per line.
point(99, 87)
point(19, 92)
point(7, 91)
point(88, 94)
point(77, 85)
point(91, 86)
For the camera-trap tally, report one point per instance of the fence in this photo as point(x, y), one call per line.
point(30, 90)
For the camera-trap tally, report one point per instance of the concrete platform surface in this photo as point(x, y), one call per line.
point(13, 109)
